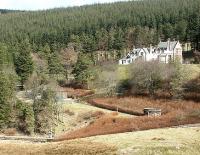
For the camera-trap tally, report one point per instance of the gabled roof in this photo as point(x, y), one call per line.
point(165, 44)
point(137, 50)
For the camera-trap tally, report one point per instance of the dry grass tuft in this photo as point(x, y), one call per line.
point(61, 148)
point(158, 139)
point(69, 112)
point(10, 132)
point(90, 115)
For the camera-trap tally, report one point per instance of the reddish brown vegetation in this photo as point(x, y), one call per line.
point(10, 132)
point(98, 103)
point(174, 113)
point(133, 105)
point(90, 115)
point(72, 92)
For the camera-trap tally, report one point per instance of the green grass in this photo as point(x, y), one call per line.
point(182, 150)
point(123, 72)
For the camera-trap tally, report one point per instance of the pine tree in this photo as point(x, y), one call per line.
point(119, 42)
point(23, 61)
point(54, 65)
point(6, 98)
point(82, 69)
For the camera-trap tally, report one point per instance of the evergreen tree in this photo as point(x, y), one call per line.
point(54, 65)
point(23, 61)
point(6, 98)
point(119, 42)
point(83, 71)
point(7, 86)
point(181, 30)
point(6, 59)
point(25, 117)
point(45, 52)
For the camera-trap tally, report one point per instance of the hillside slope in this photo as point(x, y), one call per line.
point(178, 141)
point(106, 26)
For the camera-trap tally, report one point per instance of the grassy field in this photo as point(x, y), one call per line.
point(168, 141)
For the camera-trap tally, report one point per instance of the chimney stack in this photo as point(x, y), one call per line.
point(168, 44)
point(151, 49)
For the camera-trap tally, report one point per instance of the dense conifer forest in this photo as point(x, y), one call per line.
point(105, 26)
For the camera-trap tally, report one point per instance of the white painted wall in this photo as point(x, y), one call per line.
point(154, 54)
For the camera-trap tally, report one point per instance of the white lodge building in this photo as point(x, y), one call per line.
point(164, 52)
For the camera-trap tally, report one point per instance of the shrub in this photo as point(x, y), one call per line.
point(146, 76)
point(45, 110)
point(25, 117)
point(176, 79)
point(150, 77)
point(106, 80)
point(193, 85)
point(62, 82)
point(123, 87)
point(197, 57)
